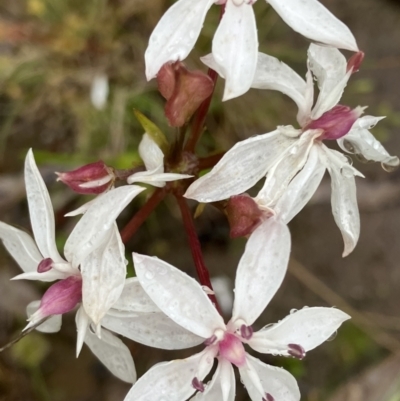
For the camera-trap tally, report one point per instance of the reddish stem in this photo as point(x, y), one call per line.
point(195, 248)
point(137, 220)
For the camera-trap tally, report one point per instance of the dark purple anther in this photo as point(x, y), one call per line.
point(355, 61)
point(268, 397)
point(336, 122)
point(198, 385)
point(296, 350)
point(246, 332)
point(45, 265)
point(210, 340)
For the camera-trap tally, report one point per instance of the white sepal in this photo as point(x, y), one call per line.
point(277, 382)
point(103, 276)
point(240, 168)
point(307, 327)
point(171, 381)
point(51, 325)
point(152, 329)
point(175, 34)
point(235, 47)
point(261, 269)
point(312, 20)
point(40, 210)
point(82, 324)
point(113, 354)
point(93, 228)
point(21, 247)
point(179, 296)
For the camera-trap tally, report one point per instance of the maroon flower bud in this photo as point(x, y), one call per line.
point(94, 178)
point(184, 91)
point(355, 61)
point(243, 215)
point(336, 122)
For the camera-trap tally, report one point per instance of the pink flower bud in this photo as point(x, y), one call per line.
point(184, 91)
point(336, 122)
point(355, 61)
point(94, 178)
point(61, 297)
point(243, 215)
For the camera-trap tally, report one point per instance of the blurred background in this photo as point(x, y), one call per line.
point(57, 59)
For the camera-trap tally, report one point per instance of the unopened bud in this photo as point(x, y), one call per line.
point(94, 178)
point(355, 62)
point(336, 122)
point(243, 214)
point(184, 91)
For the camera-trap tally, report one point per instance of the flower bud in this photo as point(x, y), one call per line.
point(243, 214)
point(184, 91)
point(94, 178)
point(336, 122)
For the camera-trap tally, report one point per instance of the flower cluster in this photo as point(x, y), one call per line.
point(161, 306)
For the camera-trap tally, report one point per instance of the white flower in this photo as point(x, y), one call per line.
point(259, 275)
point(235, 43)
point(281, 154)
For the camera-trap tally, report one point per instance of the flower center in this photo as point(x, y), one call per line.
point(231, 349)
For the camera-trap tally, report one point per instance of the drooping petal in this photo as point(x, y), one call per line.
point(175, 34)
point(171, 381)
point(329, 66)
point(51, 325)
point(222, 385)
point(40, 210)
point(344, 199)
point(261, 269)
point(82, 323)
point(235, 47)
point(151, 154)
point(21, 247)
point(312, 20)
point(276, 382)
point(103, 276)
point(134, 299)
point(240, 168)
point(113, 354)
point(93, 228)
point(156, 180)
point(308, 327)
point(179, 296)
point(153, 329)
point(301, 188)
point(289, 164)
point(360, 141)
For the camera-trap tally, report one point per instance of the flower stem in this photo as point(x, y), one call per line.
point(137, 220)
point(195, 248)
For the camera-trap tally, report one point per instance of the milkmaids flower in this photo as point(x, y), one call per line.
point(281, 154)
point(259, 275)
point(235, 43)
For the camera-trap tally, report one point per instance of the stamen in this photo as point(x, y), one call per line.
point(198, 385)
point(45, 265)
point(268, 397)
point(246, 331)
point(297, 351)
point(210, 340)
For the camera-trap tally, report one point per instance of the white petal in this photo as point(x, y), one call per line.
point(21, 247)
point(222, 386)
point(103, 276)
point(175, 34)
point(261, 269)
point(82, 209)
point(171, 381)
point(289, 164)
point(275, 381)
point(240, 168)
point(93, 228)
point(82, 323)
point(361, 141)
point(156, 180)
point(344, 198)
point(48, 276)
point(134, 299)
point(151, 154)
point(178, 295)
point(40, 210)
point(308, 327)
point(235, 47)
point(329, 67)
point(153, 329)
point(113, 354)
point(51, 325)
point(301, 188)
point(312, 20)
